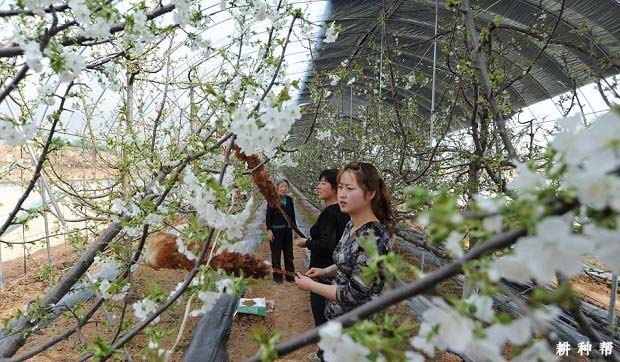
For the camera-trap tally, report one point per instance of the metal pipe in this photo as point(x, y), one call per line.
point(47, 229)
point(1, 273)
point(430, 138)
point(612, 302)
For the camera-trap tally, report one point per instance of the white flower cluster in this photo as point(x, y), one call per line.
point(106, 293)
point(444, 327)
point(182, 12)
point(37, 6)
point(124, 209)
point(338, 347)
point(241, 246)
point(202, 201)
point(80, 11)
point(254, 140)
point(46, 93)
point(100, 29)
point(261, 10)
point(143, 308)
point(331, 34)
point(323, 135)
point(176, 289)
point(183, 250)
point(14, 135)
point(526, 181)
point(153, 219)
point(285, 159)
point(453, 244)
point(106, 263)
point(161, 353)
point(491, 206)
point(74, 64)
point(334, 79)
point(209, 298)
point(592, 156)
point(591, 159)
point(34, 56)
point(554, 248)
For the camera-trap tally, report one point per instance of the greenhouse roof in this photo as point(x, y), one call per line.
point(567, 61)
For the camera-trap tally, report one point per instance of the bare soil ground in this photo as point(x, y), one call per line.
point(291, 316)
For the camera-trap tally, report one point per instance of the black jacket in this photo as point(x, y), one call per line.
point(325, 235)
point(275, 219)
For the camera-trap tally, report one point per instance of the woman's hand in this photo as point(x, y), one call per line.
point(315, 273)
point(303, 282)
point(270, 235)
point(301, 242)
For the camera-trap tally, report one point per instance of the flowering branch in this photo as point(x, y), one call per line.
point(39, 166)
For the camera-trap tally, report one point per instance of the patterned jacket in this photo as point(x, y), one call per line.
point(350, 257)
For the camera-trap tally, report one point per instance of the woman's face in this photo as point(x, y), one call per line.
point(351, 197)
point(282, 188)
point(324, 190)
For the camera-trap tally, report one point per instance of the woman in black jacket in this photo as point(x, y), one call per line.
point(324, 236)
point(280, 233)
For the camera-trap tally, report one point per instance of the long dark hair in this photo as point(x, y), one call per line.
point(368, 178)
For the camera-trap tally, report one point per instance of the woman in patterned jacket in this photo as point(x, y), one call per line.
point(363, 195)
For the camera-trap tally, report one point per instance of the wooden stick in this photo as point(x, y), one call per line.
point(285, 272)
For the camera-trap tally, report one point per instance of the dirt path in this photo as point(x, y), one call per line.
point(291, 316)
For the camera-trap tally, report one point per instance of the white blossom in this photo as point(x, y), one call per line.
point(139, 22)
point(153, 219)
point(208, 301)
point(331, 34)
point(100, 29)
point(80, 11)
point(323, 135)
point(492, 223)
point(162, 353)
point(74, 64)
point(144, 308)
point(520, 330)
point(454, 330)
point(414, 357)
point(225, 286)
point(46, 94)
point(183, 250)
point(334, 78)
point(104, 289)
point(595, 190)
point(453, 244)
point(132, 232)
point(554, 248)
point(37, 6)
point(260, 10)
point(277, 124)
point(606, 245)
point(422, 342)
point(176, 289)
point(484, 307)
point(182, 12)
point(340, 347)
point(15, 135)
point(484, 350)
point(33, 55)
point(527, 180)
